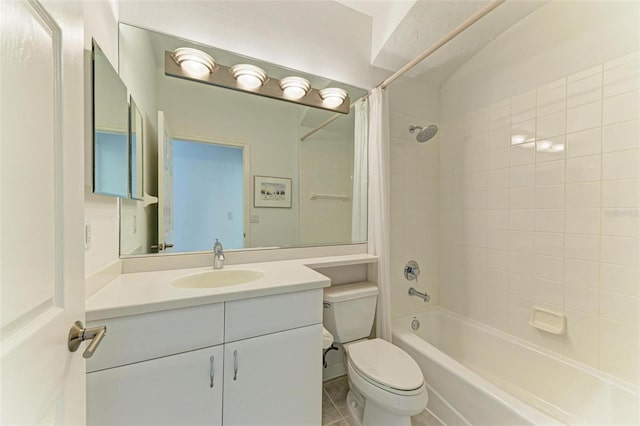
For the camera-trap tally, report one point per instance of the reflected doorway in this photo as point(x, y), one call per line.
point(208, 200)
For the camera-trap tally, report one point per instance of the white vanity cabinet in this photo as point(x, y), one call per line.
point(274, 379)
point(181, 389)
point(151, 369)
point(263, 354)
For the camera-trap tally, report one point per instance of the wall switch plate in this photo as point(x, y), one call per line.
point(254, 218)
point(87, 234)
point(134, 225)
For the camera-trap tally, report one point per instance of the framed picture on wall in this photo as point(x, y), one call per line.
point(271, 192)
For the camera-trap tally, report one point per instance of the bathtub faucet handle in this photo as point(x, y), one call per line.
point(411, 270)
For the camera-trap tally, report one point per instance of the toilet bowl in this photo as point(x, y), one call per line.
point(386, 386)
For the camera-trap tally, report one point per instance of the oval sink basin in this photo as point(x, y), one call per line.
point(219, 278)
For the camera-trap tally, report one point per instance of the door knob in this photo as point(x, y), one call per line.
point(79, 334)
point(161, 246)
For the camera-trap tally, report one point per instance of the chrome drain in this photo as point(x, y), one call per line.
point(415, 324)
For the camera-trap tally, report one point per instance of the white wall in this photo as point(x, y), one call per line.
point(326, 167)
point(557, 40)
point(385, 17)
point(100, 19)
point(524, 225)
point(414, 193)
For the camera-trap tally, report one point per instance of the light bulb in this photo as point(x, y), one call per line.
point(193, 61)
point(248, 76)
point(194, 68)
point(295, 87)
point(249, 81)
point(333, 96)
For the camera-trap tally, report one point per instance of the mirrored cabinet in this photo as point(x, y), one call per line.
point(117, 133)
point(136, 159)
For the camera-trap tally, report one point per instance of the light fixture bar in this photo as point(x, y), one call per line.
point(222, 77)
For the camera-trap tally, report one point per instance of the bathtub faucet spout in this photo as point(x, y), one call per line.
point(423, 296)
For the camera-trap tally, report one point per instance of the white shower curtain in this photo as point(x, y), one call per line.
point(379, 208)
point(359, 207)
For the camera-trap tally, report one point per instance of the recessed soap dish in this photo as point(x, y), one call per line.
point(549, 321)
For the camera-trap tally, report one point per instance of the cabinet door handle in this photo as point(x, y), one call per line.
point(235, 365)
point(211, 371)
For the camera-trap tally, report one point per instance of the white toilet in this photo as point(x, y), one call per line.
point(386, 386)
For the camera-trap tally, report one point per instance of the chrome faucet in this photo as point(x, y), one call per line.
point(218, 255)
point(424, 296)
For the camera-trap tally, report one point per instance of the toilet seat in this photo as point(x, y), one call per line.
point(386, 366)
point(400, 403)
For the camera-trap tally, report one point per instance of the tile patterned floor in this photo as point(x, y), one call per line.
point(336, 413)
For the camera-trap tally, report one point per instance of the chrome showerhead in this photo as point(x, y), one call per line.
point(424, 133)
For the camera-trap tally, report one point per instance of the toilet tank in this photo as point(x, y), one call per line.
point(349, 310)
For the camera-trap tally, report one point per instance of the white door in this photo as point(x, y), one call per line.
point(165, 184)
point(274, 379)
point(41, 211)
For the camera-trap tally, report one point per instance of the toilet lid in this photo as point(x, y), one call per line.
point(386, 364)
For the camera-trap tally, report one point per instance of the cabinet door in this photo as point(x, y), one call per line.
point(274, 379)
point(174, 390)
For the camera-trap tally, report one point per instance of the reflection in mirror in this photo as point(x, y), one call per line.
point(212, 142)
point(136, 146)
point(110, 129)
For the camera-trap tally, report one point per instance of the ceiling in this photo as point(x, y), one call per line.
point(427, 21)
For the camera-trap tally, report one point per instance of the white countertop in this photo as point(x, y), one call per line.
point(143, 292)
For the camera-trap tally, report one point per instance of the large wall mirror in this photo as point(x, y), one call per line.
point(251, 171)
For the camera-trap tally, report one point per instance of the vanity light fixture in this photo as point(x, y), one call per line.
point(193, 61)
point(295, 87)
point(333, 96)
point(248, 76)
point(195, 65)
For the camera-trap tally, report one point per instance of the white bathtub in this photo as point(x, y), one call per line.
point(481, 376)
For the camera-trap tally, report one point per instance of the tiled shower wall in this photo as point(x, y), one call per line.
point(414, 194)
point(539, 206)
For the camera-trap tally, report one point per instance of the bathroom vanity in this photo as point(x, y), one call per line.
point(239, 354)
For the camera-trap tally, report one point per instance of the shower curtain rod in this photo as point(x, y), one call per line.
point(457, 30)
point(329, 121)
